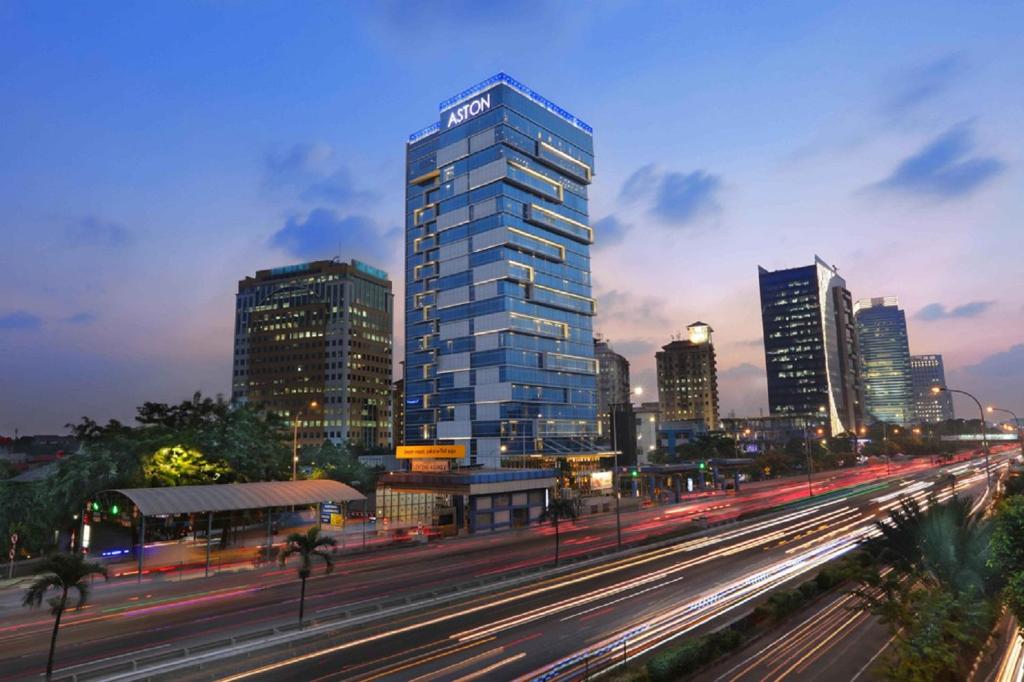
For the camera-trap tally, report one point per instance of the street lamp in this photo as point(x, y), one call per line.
point(295, 439)
point(984, 432)
point(1016, 424)
point(637, 391)
point(807, 449)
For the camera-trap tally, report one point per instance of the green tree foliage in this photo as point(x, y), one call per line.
point(238, 444)
point(1008, 552)
point(308, 545)
point(177, 465)
point(61, 573)
point(339, 463)
point(929, 577)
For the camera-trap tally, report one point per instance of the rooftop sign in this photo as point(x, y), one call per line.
point(484, 86)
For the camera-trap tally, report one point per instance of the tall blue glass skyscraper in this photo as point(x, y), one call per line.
point(499, 337)
point(885, 360)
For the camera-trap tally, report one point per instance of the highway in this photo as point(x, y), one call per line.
point(567, 626)
point(125, 618)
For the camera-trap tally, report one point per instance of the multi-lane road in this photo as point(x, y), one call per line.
point(612, 607)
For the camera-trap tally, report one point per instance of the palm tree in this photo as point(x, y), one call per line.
point(308, 545)
point(939, 598)
point(61, 572)
point(559, 508)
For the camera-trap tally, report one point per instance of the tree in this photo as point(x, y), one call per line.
point(1008, 552)
point(559, 508)
point(938, 594)
point(63, 573)
point(177, 465)
point(339, 463)
point(308, 545)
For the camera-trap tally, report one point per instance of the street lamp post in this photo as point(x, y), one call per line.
point(807, 449)
point(295, 440)
point(1016, 424)
point(984, 433)
point(615, 469)
point(885, 446)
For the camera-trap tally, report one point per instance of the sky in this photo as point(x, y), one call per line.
point(153, 154)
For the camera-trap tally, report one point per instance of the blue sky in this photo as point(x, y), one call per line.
point(154, 153)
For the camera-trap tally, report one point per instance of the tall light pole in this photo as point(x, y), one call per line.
point(807, 448)
point(295, 440)
point(885, 446)
point(984, 432)
point(638, 391)
point(1016, 423)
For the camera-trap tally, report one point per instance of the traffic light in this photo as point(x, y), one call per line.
point(702, 466)
point(633, 472)
point(95, 506)
point(113, 509)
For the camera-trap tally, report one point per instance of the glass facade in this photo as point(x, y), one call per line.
point(810, 345)
point(318, 333)
point(927, 371)
point(884, 360)
point(499, 344)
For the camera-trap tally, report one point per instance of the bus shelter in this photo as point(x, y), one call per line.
point(231, 497)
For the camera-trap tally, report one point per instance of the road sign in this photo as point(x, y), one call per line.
point(10, 553)
point(14, 538)
point(329, 510)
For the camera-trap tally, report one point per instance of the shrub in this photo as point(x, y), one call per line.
point(675, 662)
point(809, 590)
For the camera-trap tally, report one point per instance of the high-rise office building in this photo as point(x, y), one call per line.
point(318, 333)
point(499, 335)
point(688, 378)
point(612, 384)
point(398, 413)
point(884, 360)
point(927, 371)
point(810, 346)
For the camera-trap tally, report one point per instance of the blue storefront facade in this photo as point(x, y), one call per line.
point(499, 314)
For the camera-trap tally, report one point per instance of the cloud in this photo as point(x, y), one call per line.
point(676, 198)
point(324, 234)
point(634, 348)
point(996, 380)
point(82, 318)
point(684, 197)
point(1001, 365)
point(609, 231)
point(628, 308)
point(91, 231)
point(19, 320)
point(743, 370)
point(750, 343)
point(312, 170)
point(937, 311)
point(922, 83)
point(297, 163)
point(640, 183)
point(942, 168)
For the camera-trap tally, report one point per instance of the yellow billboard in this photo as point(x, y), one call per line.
point(431, 451)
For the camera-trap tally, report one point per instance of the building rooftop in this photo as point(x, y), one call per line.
point(485, 85)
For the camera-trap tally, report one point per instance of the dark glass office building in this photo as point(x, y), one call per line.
point(810, 346)
point(926, 372)
point(884, 360)
point(313, 343)
point(499, 336)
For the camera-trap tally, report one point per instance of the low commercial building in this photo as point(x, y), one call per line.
point(464, 501)
point(673, 434)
